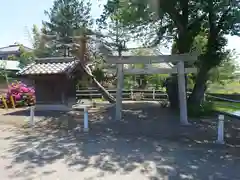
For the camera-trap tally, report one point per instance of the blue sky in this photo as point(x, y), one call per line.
point(18, 16)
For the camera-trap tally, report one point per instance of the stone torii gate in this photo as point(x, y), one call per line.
point(178, 69)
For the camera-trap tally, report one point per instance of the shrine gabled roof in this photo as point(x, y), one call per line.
point(52, 65)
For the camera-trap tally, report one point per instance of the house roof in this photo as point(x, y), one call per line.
point(13, 49)
point(53, 65)
point(9, 65)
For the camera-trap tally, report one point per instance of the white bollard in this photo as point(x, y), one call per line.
point(131, 94)
point(153, 94)
point(220, 136)
point(85, 120)
point(32, 109)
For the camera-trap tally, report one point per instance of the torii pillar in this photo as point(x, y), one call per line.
point(182, 93)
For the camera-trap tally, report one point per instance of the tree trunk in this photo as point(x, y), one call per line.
point(100, 88)
point(183, 45)
point(82, 55)
point(197, 95)
point(172, 91)
point(103, 91)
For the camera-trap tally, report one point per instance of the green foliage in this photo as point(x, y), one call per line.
point(129, 82)
point(66, 18)
point(225, 88)
point(12, 57)
point(26, 57)
point(223, 19)
point(213, 19)
point(200, 43)
point(99, 74)
point(153, 21)
point(42, 48)
point(224, 72)
point(157, 80)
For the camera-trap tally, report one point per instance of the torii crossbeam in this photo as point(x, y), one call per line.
point(178, 69)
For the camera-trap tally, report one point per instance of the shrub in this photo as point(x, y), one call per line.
point(205, 109)
point(21, 93)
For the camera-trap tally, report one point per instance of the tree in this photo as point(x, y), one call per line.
point(182, 21)
point(81, 52)
point(177, 19)
point(223, 73)
point(12, 57)
point(69, 28)
point(41, 48)
point(142, 79)
point(223, 19)
point(26, 57)
point(65, 18)
point(3, 72)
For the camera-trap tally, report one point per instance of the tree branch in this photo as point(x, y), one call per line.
point(196, 21)
point(223, 19)
point(185, 12)
point(172, 12)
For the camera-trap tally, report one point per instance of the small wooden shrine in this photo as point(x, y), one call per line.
point(54, 79)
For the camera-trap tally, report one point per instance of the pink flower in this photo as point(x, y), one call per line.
point(17, 96)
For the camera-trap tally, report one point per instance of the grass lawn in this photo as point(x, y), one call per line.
point(231, 88)
point(226, 106)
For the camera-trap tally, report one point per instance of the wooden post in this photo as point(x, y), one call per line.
point(12, 101)
point(119, 92)
point(182, 94)
point(4, 102)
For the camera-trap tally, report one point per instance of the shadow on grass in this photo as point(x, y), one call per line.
point(110, 149)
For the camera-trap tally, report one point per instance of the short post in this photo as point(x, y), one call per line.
point(119, 92)
point(12, 101)
point(85, 126)
point(4, 102)
point(131, 94)
point(204, 97)
point(220, 131)
point(153, 94)
point(32, 109)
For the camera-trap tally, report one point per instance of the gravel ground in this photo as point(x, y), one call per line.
point(107, 153)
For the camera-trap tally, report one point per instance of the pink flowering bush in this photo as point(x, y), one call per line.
point(21, 93)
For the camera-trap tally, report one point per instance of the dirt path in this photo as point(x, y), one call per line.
point(121, 151)
point(56, 155)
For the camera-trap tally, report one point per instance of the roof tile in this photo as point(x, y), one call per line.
point(49, 66)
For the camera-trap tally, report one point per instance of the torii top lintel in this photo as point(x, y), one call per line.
point(150, 59)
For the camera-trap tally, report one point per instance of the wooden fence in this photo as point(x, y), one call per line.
point(127, 94)
point(149, 95)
